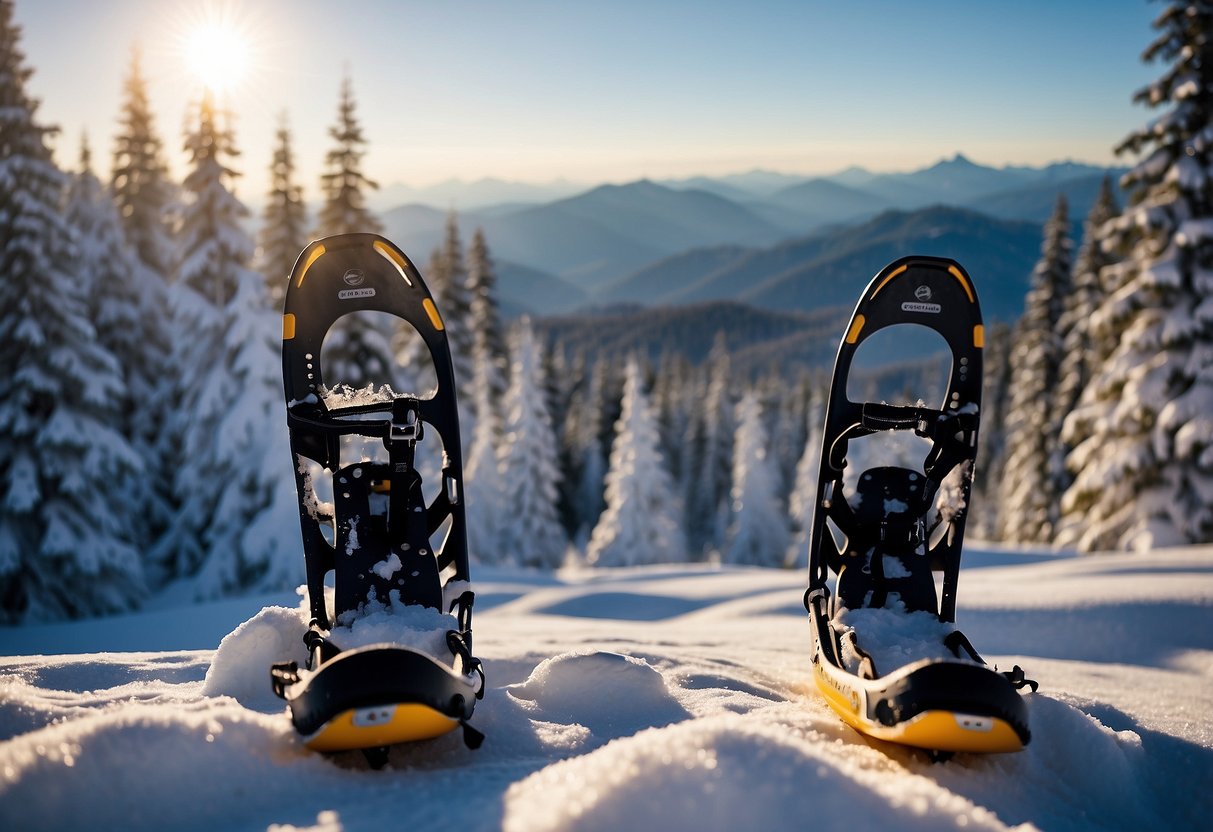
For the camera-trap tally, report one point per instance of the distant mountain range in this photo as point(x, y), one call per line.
point(458, 195)
point(761, 238)
point(761, 341)
point(831, 268)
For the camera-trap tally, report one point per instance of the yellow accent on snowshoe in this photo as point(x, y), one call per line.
point(288, 326)
point(892, 275)
point(931, 730)
point(956, 273)
point(394, 256)
point(307, 264)
point(432, 311)
point(379, 726)
point(856, 327)
point(979, 336)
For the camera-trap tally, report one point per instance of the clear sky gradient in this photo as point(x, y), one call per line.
point(614, 91)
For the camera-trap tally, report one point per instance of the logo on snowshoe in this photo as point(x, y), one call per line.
point(347, 294)
point(354, 277)
point(924, 294)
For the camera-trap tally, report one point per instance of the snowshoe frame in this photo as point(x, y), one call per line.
point(411, 695)
point(939, 706)
point(939, 295)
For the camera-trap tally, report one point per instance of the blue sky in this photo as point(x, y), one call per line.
point(613, 91)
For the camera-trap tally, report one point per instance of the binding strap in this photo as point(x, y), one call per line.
point(408, 524)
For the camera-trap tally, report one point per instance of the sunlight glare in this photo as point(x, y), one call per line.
point(217, 55)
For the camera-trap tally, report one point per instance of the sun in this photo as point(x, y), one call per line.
point(217, 54)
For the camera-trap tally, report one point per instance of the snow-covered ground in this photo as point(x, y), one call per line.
point(648, 698)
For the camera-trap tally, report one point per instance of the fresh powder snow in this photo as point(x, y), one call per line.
point(669, 697)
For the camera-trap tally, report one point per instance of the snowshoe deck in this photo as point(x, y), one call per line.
point(380, 525)
point(901, 526)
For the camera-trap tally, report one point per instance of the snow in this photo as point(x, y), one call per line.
point(893, 637)
point(667, 697)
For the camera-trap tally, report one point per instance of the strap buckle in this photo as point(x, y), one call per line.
point(406, 426)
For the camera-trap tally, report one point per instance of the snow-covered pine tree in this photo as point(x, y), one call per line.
point(802, 504)
point(485, 487)
point(358, 349)
point(237, 512)
point(115, 286)
point(789, 404)
point(65, 547)
point(145, 196)
point(453, 295)
point(1078, 354)
point(708, 496)
point(343, 183)
point(1031, 490)
point(992, 440)
point(147, 205)
point(1145, 469)
point(643, 518)
point(583, 439)
point(488, 343)
point(283, 221)
point(670, 403)
point(758, 533)
point(532, 535)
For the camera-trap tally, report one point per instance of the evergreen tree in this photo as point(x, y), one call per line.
point(1080, 354)
point(1031, 489)
point(119, 305)
point(708, 497)
point(788, 427)
point(584, 439)
point(454, 298)
point(147, 205)
point(1145, 468)
point(145, 197)
point(802, 505)
point(235, 513)
point(65, 547)
point(343, 182)
point(358, 350)
point(642, 521)
point(488, 345)
point(992, 439)
point(532, 535)
point(484, 484)
point(284, 220)
point(672, 411)
point(758, 533)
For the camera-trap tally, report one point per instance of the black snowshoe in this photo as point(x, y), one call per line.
point(886, 541)
point(379, 524)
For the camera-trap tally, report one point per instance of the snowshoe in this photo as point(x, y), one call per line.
point(379, 526)
point(898, 528)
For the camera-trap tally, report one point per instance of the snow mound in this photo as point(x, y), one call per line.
point(895, 638)
point(165, 766)
point(241, 668)
point(610, 694)
point(728, 773)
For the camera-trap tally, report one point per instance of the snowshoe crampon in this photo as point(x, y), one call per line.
point(897, 528)
point(375, 537)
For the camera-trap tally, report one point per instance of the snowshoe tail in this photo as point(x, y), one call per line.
point(380, 522)
point(897, 516)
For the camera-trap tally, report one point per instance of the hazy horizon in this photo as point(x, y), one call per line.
point(537, 92)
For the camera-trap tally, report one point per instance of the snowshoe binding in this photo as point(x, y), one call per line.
point(896, 529)
point(354, 695)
